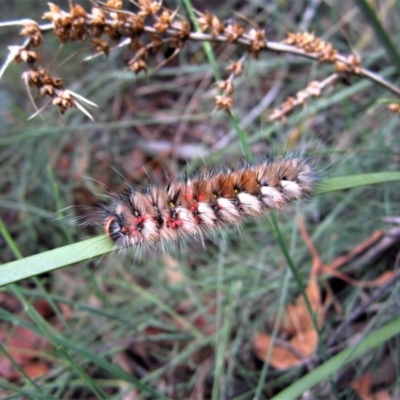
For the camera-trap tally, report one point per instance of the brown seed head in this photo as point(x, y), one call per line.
point(116, 4)
point(233, 32)
point(314, 89)
point(352, 64)
point(235, 67)
point(101, 46)
point(98, 17)
point(394, 107)
point(182, 29)
point(137, 66)
point(164, 21)
point(64, 101)
point(325, 52)
point(135, 23)
point(34, 33)
point(148, 7)
point(258, 43)
point(204, 21)
point(32, 77)
point(27, 56)
point(355, 63)
point(224, 102)
point(78, 12)
point(60, 19)
point(226, 86)
point(46, 90)
point(208, 21)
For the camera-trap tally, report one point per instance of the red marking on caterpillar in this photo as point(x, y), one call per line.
point(197, 205)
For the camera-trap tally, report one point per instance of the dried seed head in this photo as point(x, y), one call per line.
point(351, 64)
point(45, 77)
point(98, 17)
point(355, 63)
point(340, 67)
point(208, 21)
point(64, 101)
point(226, 86)
point(26, 56)
point(258, 43)
point(31, 77)
point(54, 14)
point(204, 21)
point(116, 4)
point(285, 108)
point(325, 52)
point(164, 21)
point(101, 46)
point(46, 90)
point(137, 66)
point(135, 23)
point(235, 67)
point(58, 17)
point(34, 33)
point(57, 83)
point(182, 29)
point(394, 107)
point(78, 25)
point(233, 32)
point(112, 30)
point(148, 7)
point(68, 26)
point(78, 12)
point(224, 102)
point(314, 89)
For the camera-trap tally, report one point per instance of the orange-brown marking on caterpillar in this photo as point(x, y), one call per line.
point(226, 186)
point(248, 182)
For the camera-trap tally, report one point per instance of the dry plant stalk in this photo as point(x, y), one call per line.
point(145, 33)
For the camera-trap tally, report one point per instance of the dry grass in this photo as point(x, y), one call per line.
point(182, 323)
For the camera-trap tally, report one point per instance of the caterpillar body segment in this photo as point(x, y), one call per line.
point(190, 208)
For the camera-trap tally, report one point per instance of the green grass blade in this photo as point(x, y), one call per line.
point(114, 369)
point(81, 251)
point(352, 181)
point(54, 259)
point(334, 364)
point(371, 16)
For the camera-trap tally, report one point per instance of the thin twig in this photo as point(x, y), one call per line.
point(246, 41)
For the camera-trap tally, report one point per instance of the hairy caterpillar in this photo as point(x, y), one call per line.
point(204, 202)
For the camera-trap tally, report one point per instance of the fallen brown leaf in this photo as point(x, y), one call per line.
point(35, 369)
point(25, 347)
point(362, 386)
point(281, 358)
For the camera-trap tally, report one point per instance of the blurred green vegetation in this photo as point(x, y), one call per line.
point(121, 325)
